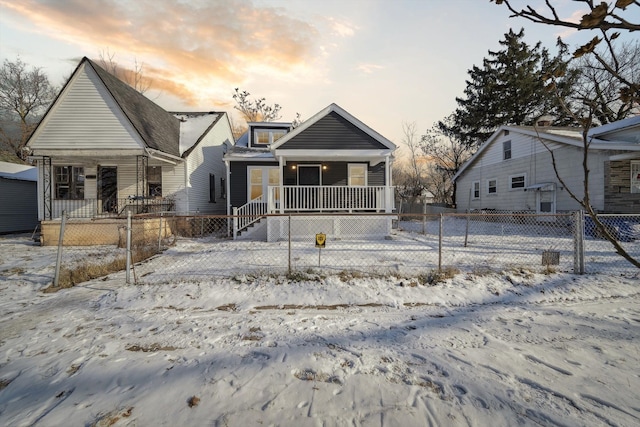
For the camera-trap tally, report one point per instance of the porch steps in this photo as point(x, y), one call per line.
point(255, 231)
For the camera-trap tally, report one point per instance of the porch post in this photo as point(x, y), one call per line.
point(47, 178)
point(281, 192)
point(388, 191)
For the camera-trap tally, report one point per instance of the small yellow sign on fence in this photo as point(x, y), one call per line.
point(321, 239)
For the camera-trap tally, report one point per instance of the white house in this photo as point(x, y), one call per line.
point(513, 170)
point(103, 149)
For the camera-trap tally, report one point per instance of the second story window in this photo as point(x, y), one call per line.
point(506, 150)
point(267, 136)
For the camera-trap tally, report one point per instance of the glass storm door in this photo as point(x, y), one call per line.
point(108, 189)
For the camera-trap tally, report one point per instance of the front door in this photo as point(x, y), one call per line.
point(108, 189)
point(308, 178)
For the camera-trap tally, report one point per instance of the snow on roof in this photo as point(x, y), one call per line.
point(16, 171)
point(566, 132)
point(193, 125)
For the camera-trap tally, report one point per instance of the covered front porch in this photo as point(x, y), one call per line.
point(103, 186)
point(339, 199)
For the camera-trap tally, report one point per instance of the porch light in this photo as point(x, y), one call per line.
point(324, 167)
point(293, 167)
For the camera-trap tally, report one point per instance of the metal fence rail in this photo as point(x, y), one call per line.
point(201, 247)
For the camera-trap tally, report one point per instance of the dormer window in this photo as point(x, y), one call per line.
point(267, 136)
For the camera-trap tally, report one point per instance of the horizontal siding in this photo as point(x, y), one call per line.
point(85, 117)
point(18, 205)
point(206, 159)
point(238, 190)
point(332, 132)
point(538, 169)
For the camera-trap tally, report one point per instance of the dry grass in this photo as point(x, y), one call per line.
point(193, 401)
point(111, 418)
point(434, 277)
point(151, 348)
point(4, 382)
point(70, 277)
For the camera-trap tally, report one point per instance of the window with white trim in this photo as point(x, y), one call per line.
point(492, 186)
point(635, 177)
point(267, 136)
point(69, 182)
point(357, 174)
point(506, 150)
point(518, 181)
point(475, 190)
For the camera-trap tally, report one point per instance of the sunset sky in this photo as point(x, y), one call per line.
point(383, 61)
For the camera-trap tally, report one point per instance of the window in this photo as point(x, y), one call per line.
point(357, 174)
point(69, 182)
point(267, 136)
point(223, 188)
point(492, 186)
point(260, 178)
point(506, 150)
point(154, 181)
point(518, 181)
point(212, 188)
point(635, 177)
point(476, 189)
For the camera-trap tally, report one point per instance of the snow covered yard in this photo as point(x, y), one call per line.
point(511, 347)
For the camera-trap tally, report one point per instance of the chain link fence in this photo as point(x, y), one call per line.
point(185, 248)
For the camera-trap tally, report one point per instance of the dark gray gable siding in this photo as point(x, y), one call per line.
point(332, 132)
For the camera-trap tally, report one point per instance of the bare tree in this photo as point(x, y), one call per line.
point(133, 77)
point(255, 110)
point(24, 94)
point(409, 177)
point(448, 153)
point(602, 17)
point(595, 89)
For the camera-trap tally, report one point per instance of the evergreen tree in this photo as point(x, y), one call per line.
point(509, 88)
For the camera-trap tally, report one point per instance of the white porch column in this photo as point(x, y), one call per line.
point(281, 192)
point(389, 186)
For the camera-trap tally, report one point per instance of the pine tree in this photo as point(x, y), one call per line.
point(508, 88)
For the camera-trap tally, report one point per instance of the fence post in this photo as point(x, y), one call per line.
point(424, 216)
point(160, 233)
point(63, 221)
point(234, 223)
point(440, 244)
point(128, 276)
point(578, 242)
point(289, 233)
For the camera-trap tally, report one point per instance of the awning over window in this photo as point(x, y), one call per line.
point(543, 186)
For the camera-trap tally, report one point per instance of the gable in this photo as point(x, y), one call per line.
point(158, 129)
point(85, 117)
point(332, 132)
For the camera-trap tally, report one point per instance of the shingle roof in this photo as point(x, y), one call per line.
point(158, 129)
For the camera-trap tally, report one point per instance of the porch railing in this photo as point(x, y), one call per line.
point(313, 198)
point(92, 208)
point(247, 214)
